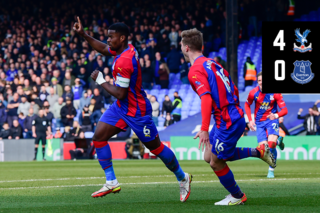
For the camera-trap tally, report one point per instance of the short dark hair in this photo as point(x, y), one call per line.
point(121, 28)
point(193, 38)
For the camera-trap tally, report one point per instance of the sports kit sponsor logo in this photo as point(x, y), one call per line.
point(265, 105)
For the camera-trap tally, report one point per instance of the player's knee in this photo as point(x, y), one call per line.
point(213, 165)
point(207, 158)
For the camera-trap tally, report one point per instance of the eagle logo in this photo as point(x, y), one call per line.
point(302, 39)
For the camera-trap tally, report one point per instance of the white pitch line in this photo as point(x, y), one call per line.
point(154, 183)
point(124, 177)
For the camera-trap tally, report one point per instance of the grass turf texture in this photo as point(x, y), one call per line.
point(147, 186)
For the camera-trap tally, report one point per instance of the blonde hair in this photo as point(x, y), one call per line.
point(165, 67)
point(193, 38)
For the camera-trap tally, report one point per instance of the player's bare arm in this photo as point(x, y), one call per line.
point(118, 92)
point(94, 43)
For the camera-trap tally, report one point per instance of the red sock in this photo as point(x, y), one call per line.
point(272, 144)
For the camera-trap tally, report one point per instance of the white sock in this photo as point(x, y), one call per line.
point(271, 169)
point(185, 178)
point(112, 182)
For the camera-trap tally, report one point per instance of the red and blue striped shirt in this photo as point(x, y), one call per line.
point(208, 77)
point(126, 73)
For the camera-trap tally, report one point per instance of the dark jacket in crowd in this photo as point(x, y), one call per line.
point(173, 60)
point(147, 74)
point(3, 114)
point(167, 123)
point(184, 70)
point(166, 107)
point(16, 132)
point(67, 110)
point(27, 123)
point(4, 134)
point(99, 102)
point(49, 116)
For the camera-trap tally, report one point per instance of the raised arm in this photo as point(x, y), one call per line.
point(94, 43)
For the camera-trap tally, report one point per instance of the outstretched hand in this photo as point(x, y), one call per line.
point(78, 27)
point(204, 141)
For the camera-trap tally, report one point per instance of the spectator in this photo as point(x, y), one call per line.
point(85, 100)
point(13, 109)
point(5, 132)
point(86, 123)
point(67, 135)
point(76, 129)
point(57, 87)
point(184, 71)
point(173, 59)
point(164, 76)
point(173, 36)
point(95, 116)
point(16, 130)
point(152, 49)
point(52, 99)
point(77, 91)
point(168, 121)
point(144, 50)
point(156, 66)
point(67, 93)
point(27, 124)
point(99, 99)
point(283, 131)
point(176, 107)
point(21, 119)
point(68, 112)
point(147, 76)
point(83, 76)
point(3, 114)
point(155, 109)
point(164, 44)
point(68, 79)
point(58, 133)
point(43, 93)
point(11, 73)
point(249, 72)
point(24, 105)
point(46, 112)
point(309, 123)
point(166, 106)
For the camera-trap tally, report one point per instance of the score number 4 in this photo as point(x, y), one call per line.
point(279, 42)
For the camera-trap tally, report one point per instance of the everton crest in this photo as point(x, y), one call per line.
point(302, 39)
point(302, 73)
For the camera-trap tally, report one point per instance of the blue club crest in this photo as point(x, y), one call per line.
point(302, 73)
point(302, 39)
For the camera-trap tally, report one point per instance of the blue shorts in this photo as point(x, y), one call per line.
point(143, 126)
point(265, 128)
point(224, 142)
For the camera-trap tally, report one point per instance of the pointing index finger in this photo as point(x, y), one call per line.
point(79, 20)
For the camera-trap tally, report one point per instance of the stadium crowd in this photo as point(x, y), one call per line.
point(45, 64)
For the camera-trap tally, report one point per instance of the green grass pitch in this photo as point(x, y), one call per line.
point(147, 186)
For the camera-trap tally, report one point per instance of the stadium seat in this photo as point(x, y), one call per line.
point(88, 134)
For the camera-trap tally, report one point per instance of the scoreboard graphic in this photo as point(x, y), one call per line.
point(291, 57)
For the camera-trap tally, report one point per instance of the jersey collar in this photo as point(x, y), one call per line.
point(123, 51)
point(197, 58)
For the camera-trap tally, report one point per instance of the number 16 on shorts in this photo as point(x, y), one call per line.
point(289, 56)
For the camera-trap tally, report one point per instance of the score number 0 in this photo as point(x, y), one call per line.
point(279, 42)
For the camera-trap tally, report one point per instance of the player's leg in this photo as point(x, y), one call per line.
point(273, 134)
point(147, 132)
point(36, 145)
point(109, 125)
point(223, 147)
point(225, 175)
point(43, 142)
point(207, 154)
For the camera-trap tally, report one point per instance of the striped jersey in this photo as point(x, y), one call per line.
point(126, 73)
point(208, 77)
point(265, 103)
